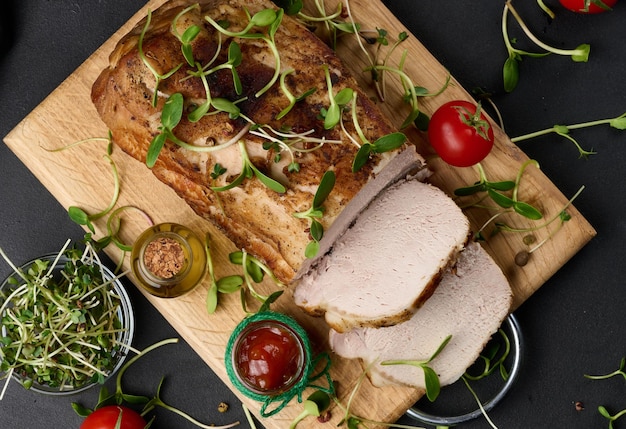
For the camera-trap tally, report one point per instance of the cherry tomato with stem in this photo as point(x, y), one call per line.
point(108, 416)
point(588, 6)
point(460, 133)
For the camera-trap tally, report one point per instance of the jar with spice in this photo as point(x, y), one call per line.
point(168, 260)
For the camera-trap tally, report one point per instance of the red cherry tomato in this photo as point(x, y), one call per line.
point(460, 133)
point(588, 6)
point(106, 418)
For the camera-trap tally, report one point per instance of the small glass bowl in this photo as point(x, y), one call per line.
point(181, 256)
point(125, 315)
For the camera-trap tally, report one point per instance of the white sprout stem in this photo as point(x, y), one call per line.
point(348, 135)
point(355, 121)
point(531, 36)
point(17, 291)
point(77, 356)
point(11, 264)
point(354, 28)
point(230, 142)
point(480, 405)
point(6, 383)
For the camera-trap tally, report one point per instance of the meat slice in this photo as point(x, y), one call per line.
point(386, 265)
point(252, 215)
point(470, 303)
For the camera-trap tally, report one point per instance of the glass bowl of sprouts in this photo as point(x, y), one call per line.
point(67, 323)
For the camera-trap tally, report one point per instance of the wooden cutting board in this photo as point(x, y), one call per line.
point(81, 176)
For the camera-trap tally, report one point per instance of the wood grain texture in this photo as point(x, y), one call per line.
point(81, 176)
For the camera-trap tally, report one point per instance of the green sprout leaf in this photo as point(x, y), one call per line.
point(389, 142)
point(361, 157)
point(171, 115)
point(224, 105)
point(332, 115)
point(431, 380)
point(211, 299)
point(527, 210)
point(156, 145)
point(385, 143)
point(619, 122)
point(317, 230)
point(316, 211)
point(188, 35)
point(248, 170)
point(312, 249)
point(291, 7)
point(229, 284)
point(265, 306)
point(314, 405)
point(500, 199)
point(324, 188)
point(433, 387)
point(172, 111)
point(80, 217)
point(263, 18)
point(510, 73)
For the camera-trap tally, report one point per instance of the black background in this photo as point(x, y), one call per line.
point(572, 326)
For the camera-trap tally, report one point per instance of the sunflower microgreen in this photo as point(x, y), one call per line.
point(332, 115)
point(511, 65)
point(170, 117)
point(618, 122)
point(601, 408)
point(269, 18)
point(316, 211)
point(249, 170)
point(292, 98)
point(157, 76)
point(496, 192)
point(333, 23)
point(220, 104)
point(254, 271)
point(70, 298)
point(431, 379)
point(316, 403)
point(80, 216)
point(291, 7)
point(385, 143)
point(188, 35)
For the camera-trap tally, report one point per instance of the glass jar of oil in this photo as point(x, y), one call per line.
point(168, 260)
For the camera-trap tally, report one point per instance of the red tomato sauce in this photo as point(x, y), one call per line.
point(269, 357)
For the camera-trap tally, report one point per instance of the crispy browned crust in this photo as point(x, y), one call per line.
point(252, 216)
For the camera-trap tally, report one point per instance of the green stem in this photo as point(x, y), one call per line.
point(553, 218)
point(272, 45)
point(520, 174)
point(531, 36)
point(186, 416)
point(569, 127)
point(505, 33)
point(546, 9)
point(480, 405)
point(409, 86)
point(116, 191)
point(118, 380)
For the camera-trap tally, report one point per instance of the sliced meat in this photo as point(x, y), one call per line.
point(389, 262)
point(470, 303)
